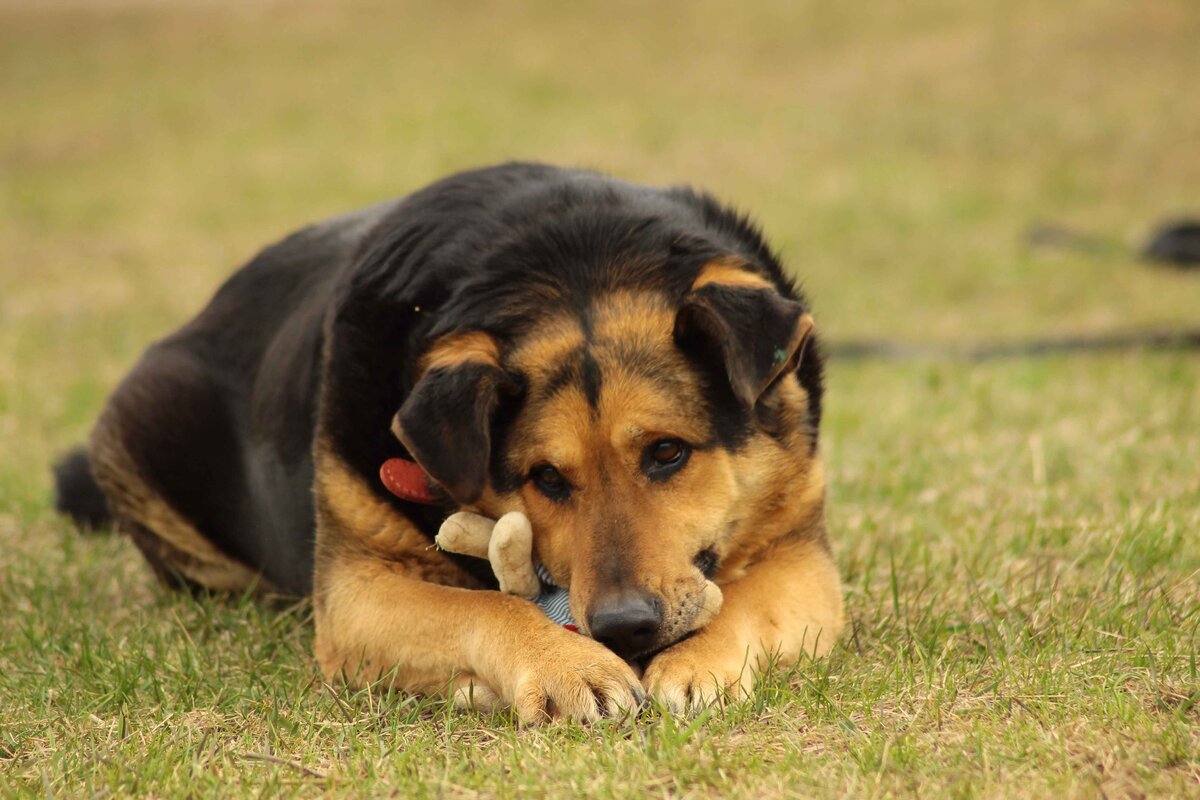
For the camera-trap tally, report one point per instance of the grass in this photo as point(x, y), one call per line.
point(1017, 538)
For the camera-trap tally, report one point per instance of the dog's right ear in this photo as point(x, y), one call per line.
point(446, 421)
point(738, 316)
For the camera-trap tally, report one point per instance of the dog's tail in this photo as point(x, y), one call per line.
point(76, 492)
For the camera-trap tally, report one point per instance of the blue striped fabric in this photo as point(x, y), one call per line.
point(553, 600)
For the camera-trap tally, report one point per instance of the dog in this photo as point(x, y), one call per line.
point(627, 366)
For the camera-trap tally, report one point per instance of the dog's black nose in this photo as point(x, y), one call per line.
point(627, 625)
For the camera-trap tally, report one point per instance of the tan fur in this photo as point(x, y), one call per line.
point(364, 522)
point(786, 606)
point(547, 346)
point(730, 271)
point(784, 495)
point(633, 318)
point(451, 351)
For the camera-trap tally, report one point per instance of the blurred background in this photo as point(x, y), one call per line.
point(898, 154)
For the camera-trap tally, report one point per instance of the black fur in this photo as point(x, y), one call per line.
point(76, 493)
point(319, 336)
point(447, 420)
point(748, 330)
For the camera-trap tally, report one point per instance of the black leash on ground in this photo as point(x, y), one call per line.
point(1158, 339)
point(1174, 244)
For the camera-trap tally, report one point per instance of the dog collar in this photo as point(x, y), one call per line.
point(406, 480)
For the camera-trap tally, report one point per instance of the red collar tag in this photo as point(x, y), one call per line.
point(406, 480)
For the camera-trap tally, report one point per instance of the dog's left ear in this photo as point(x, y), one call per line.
point(446, 421)
point(757, 333)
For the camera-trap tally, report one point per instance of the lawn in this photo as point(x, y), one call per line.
point(1018, 538)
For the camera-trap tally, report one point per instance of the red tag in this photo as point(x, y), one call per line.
point(406, 480)
point(572, 627)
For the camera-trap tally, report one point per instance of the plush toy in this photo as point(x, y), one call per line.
point(507, 543)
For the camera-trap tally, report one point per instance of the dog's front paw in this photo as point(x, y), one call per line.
point(698, 672)
point(573, 678)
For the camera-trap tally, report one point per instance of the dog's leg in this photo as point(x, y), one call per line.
point(142, 456)
point(374, 622)
point(389, 606)
point(785, 607)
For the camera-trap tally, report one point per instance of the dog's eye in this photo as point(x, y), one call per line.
point(666, 452)
point(664, 458)
point(550, 482)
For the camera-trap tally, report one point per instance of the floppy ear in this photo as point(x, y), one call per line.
point(757, 333)
point(446, 421)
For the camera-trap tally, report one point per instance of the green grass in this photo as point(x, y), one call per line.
point(1018, 538)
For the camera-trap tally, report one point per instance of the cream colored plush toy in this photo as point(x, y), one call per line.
point(507, 544)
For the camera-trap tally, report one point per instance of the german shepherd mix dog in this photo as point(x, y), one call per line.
point(627, 366)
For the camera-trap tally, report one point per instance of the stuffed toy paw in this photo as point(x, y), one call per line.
point(507, 544)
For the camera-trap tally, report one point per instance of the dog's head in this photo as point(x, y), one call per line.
point(656, 441)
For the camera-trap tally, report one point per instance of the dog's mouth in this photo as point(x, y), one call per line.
point(706, 561)
point(642, 660)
